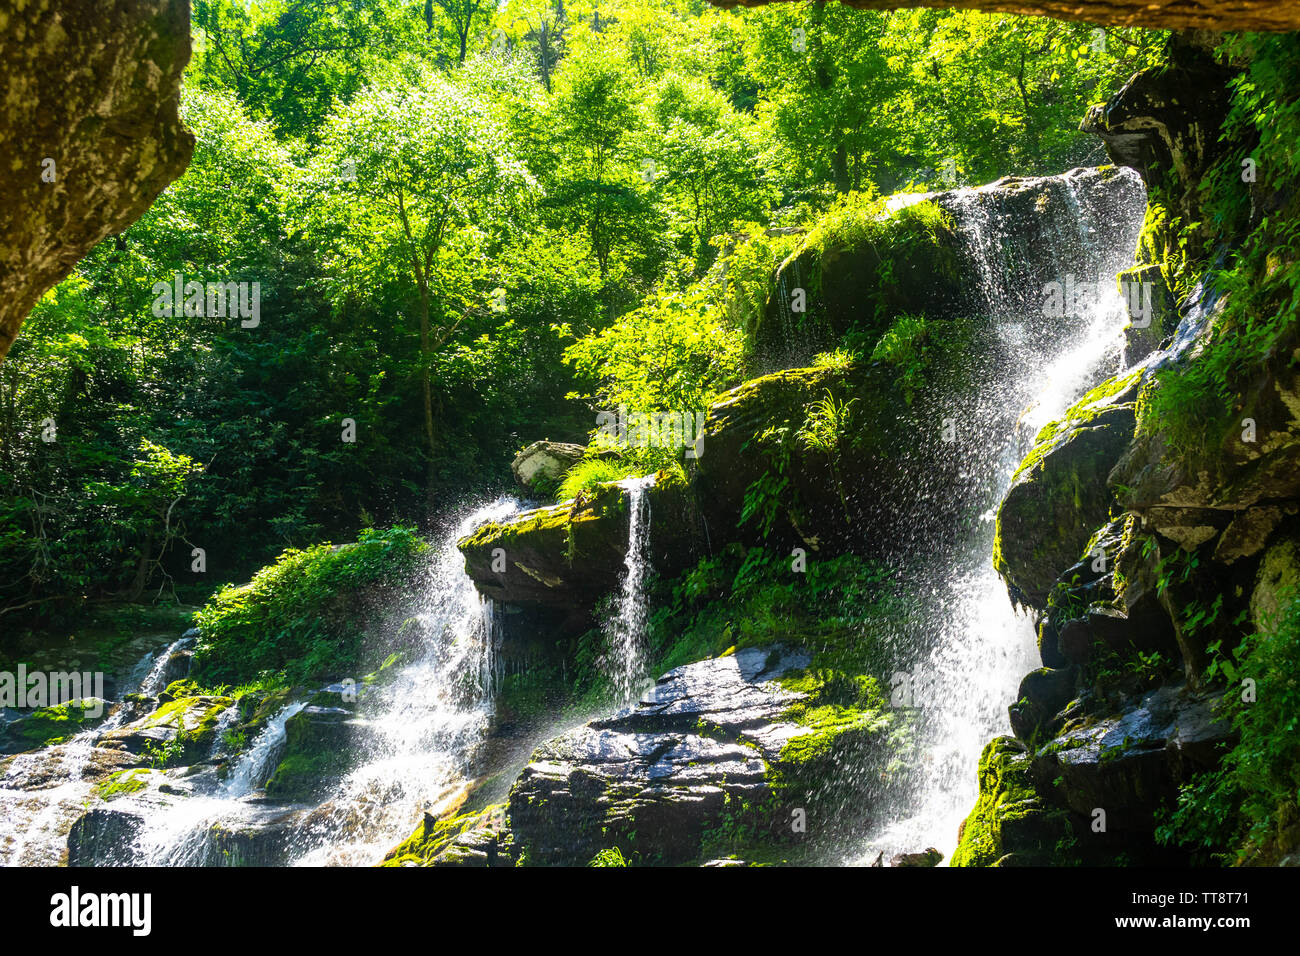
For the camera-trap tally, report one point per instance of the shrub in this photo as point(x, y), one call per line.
point(307, 615)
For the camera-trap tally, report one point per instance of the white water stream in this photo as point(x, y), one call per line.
point(984, 646)
point(625, 631)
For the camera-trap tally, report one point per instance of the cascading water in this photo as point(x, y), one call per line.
point(981, 646)
point(420, 726)
point(254, 766)
point(625, 630)
point(42, 792)
point(414, 732)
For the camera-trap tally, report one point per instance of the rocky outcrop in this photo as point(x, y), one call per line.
point(187, 724)
point(928, 254)
point(715, 747)
point(1059, 495)
point(1187, 15)
point(474, 839)
point(1159, 561)
point(543, 463)
point(91, 133)
point(852, 275)
point(317, 743)
point(1091, 791)
point(1157, 126)
point(569, 555)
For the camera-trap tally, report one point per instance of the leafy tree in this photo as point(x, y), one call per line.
point(413, 180)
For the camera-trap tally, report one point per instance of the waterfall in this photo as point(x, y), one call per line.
point(416, 728)
point(34, 817)
point(420, 726)
point(979, 645)
point(154, 680)
point(491, 667)
point(625, 630)
point(256, 764)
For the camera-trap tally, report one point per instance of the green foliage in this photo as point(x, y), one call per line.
point(308, 615)
point(590, 472)
point(675, 352)
point(610, 857)
point(1240, 810)
point(612, 173)
point(1195, 406)
point(843, 608)
point(904, 346)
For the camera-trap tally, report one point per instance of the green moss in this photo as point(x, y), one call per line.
point(299, 776)
point(122, 783)
point(848, 722)
point(51, 725)
point(426, 845)
point(196, 716)
point(1009, 816)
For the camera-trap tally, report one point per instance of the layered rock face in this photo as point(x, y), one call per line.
point(1144, 559)
point(91, 131)
point(657, 774)
point(732, 756)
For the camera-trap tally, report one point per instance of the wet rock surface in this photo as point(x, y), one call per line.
point(664, 768)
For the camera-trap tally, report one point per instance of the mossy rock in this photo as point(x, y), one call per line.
point(1059, 495)
point(125, 782)
point(1010, 824)
point(44, 726)
point(191, 720)
point(572, 553)
point(474, 838)
point(318, 741)
point(857, 270)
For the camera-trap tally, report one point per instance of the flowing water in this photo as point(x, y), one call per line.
point(981, 646)
point(412, 735)
point(412, 732)
point(625, 630)
point(42, 792)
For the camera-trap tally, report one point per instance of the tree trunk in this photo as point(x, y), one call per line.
point(426, 353)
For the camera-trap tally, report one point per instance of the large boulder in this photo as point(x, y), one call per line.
point(570, 554)
point(318, 741)
point(1091, 791)
point(1011, 824)
point(1131, 762)
point(543, 463)
point(852, 273)
point(1059, 494)
point(1242, 483)
point(715, 742)
point(91, 132)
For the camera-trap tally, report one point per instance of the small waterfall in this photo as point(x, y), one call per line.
point(34, 817)
point(155, 680)
point(625, 631)
point(255, 766)
point(491, 668)
point(979, 645)
point(421, 725)
point(417, 726)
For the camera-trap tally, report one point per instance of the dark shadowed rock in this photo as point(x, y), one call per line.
point(1059, 495)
